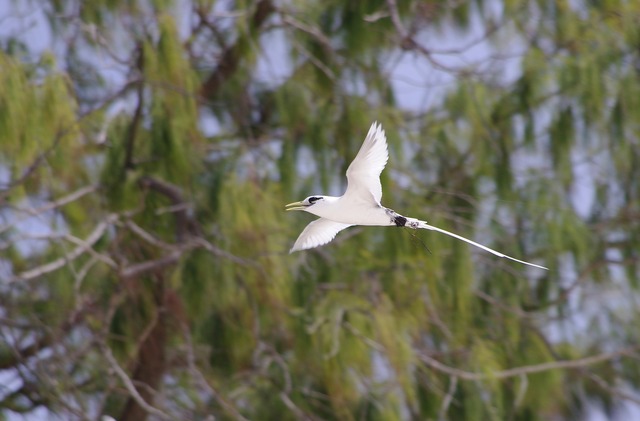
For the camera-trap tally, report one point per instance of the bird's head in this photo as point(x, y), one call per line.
point(305, 204)
point(316, 205)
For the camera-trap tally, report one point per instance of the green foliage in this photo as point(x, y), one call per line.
point(146, 156)
point(561, 140)
point(49, 102)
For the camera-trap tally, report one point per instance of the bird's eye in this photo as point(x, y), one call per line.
point(313, 200)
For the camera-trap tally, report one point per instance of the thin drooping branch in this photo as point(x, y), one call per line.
point(231, 57)
point(218, 252)
point(129, 163)
point(150, 361)
point(93, 238)
point(202, 381)
point(14, 356)
point(71, 197)
point(299, 414)
point(527, 369)
point(28, 171)
point(150, 266)
point(408, 42)
point(448, 398)
point(315, 61)
point(128, 384)
point(310, 29)
point(147, 236)
point(104, 258)
point(11, 359)
point(613, 390)
point(184, 223)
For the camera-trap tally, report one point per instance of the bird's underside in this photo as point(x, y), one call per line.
point(322, 231)
point(360, 204)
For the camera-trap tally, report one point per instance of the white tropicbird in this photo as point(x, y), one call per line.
point(360, 204)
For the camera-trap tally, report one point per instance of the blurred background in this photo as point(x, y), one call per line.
point(147, 149)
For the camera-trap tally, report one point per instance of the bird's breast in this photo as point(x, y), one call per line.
point(358, 214)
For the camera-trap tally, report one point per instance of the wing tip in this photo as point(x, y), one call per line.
point(376, 128)
point(376, 133)
point(306, 245)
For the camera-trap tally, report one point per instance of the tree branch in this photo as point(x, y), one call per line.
point(311, 30)
point(184, 223)
point(136, 120)
point(408, 42)
point(528, 369)
point(231, 57)
point(72, 255)
point(150, 266)
point(201, 380)
point(128, 384)
point(612, 390)
point(71, 197)
point(446, 402)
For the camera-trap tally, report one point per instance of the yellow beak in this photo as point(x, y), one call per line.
point(295, 206)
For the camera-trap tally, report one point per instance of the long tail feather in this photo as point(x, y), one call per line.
point(424, 225)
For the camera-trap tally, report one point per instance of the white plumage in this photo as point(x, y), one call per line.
point(318, 232)
point(360, 204)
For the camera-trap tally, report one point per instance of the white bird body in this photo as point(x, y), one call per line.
point(350, 212)
point(360, 204)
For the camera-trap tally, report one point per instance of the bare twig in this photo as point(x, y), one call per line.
point(314, 60)
point(231, 57)
point(72, 255)
point(433, 313)
point(499, 304)
point(372, 344)
point(218, 252)
point(522, 390)
point(185, 224)
point(150, 266)
point(408, 42)
point(612, 390)
point(128, 384)
point(51, 205)
point(82, 273)
point(100, 256)
point(201, 380)
point(147, 236)
point(309, 29)
point(446, 402)
point(136, 120)
point(528, 369)
point(301, 415)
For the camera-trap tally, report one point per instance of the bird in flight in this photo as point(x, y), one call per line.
point(360, 204)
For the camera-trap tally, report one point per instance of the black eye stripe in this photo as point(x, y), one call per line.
point(313, 200)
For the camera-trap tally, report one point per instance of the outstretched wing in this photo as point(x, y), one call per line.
point(363, 175)
point(319, 232)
